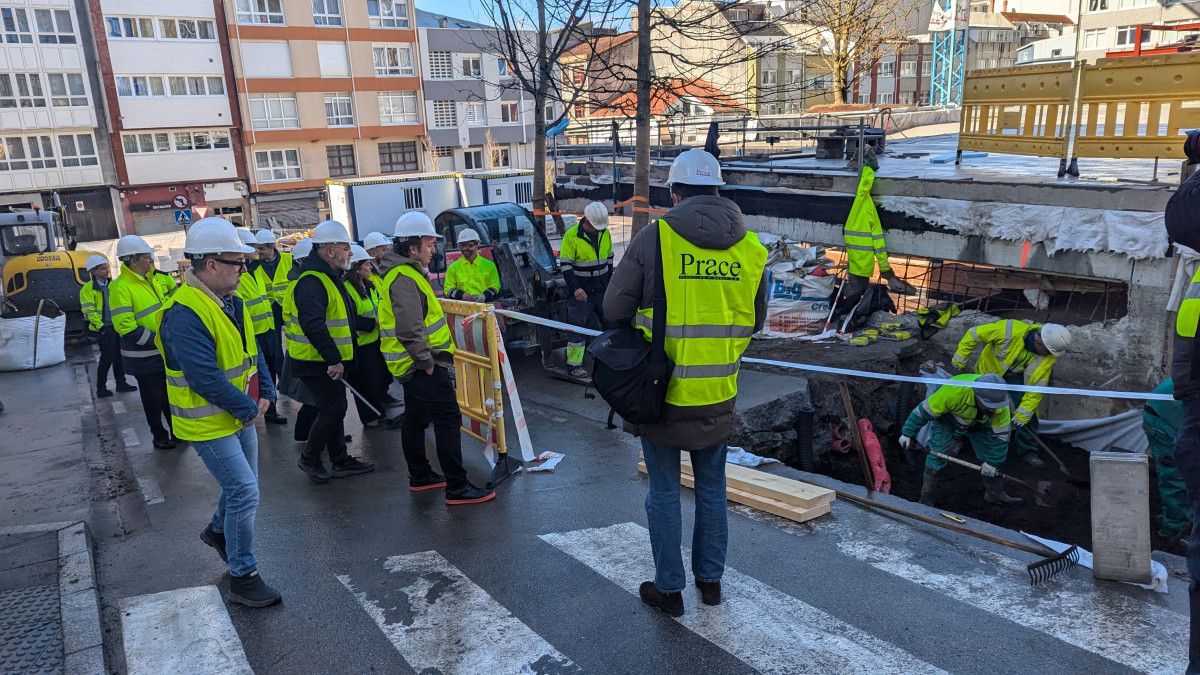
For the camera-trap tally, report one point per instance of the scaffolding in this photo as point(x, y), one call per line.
point(948, 26)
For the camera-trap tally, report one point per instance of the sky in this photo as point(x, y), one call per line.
point(460, 9)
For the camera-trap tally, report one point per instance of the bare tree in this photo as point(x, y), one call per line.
point(856, 34)
point(491, 150)
point(432, 161)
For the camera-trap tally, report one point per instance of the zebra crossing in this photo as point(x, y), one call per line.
point(440, 620)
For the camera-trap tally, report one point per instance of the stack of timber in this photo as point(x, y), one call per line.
point(777, 495)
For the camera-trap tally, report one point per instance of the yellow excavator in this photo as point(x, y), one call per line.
point(40, 262)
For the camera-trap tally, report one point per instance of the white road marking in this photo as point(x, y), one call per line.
point(150, 490)
point(1070, 607)
point(129, 434)
point(767, 629)
point(186, 630)
point(441, 621)
point(118, 407)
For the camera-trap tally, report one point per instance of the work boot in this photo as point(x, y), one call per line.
point(1033, 460)
point(351, 466)
point(469, 494)
point(928, 486)
point(579, 373)
point(710, 592)
point(897, 285)
point(671, 603)
point(317, 472)
point(433, 480)
point(393, 423)
point(216, 540)
point(252, 591)
point(165, 443)
point(103, 393)
point(272, 416)
point(393, 402)
point(993, 493)
point(123, 387)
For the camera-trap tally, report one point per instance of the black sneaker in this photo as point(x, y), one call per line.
point(351, 466)
point(103, 393)
point(125, 386)
point(216, 540)
point(469, 494)
point(272, 416)
point(671, 603)
point(710, 592)
point(165, 443)
point(317, 473)
point(434, 480)
point(252, 591)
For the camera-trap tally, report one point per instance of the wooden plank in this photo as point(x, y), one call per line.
point(855, 437)
point(772, 506)
point(778, 488)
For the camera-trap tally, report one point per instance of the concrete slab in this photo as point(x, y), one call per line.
point(184, 630)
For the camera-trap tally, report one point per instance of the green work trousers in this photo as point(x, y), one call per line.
point(946, 438)
point(1171, 489)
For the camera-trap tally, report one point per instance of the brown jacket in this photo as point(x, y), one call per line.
point(708, 222)
point(410, 305)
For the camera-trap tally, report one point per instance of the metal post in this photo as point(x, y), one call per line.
point(745, 121)
point(862, 136)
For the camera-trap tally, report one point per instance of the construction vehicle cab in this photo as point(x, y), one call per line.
point(495, 223)
point(40, 262)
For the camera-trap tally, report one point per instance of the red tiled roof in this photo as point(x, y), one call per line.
point(666, 95)
point(1025, 17)
point(601, 45)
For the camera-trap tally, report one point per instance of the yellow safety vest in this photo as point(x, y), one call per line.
point(1003, 353)
point(578, 255)
point(165, 282)
point(275, 286)
point(337, 321)
point(135, 303)
point(865, 242)
point(710, 314)
point(368, 307)
point(91, 303)
point(437, 333)
point(473, 277)
point(193, 418)
point(257, 304)
point(1189, 310)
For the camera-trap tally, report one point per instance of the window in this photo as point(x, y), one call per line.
point(794, 77)
point(29, 90)
point(260, 11)
point(267, 59)
point(472, 65)
point(128, 27)
point(908, 68)
point(443, 151)
point(13, 156)
point(339, 110)
point(340, 159)
point(141, 144)
point(398, 107)
point(1055, 53)
point(328, 13)
point(14, 153)
point(66, 89)
point(1098, 5)
point(887, 69)
point(549, 113)
point(394, 60)
point(274, 111)
point(884, 99)
point(769, 78)
point(502, 67)
point(194, 85)
point(332, 56)
point(476, 115)
point(927, 66)
point(77, 150)
point(924, 98)
point(440, 67)
point(187, 29)
point(414, 199)
point(1095, 39)
point(271, 166)
point(523, 192)
point(444, 114)
point(8, 98)
point(41, 152)
point(16, 26)
point(739, 15)
point(398, 157)
point(201, 140)
point(1134, 4)
point(508, 113)
point(54, 26)
point(216, 86)
point(1127, 34)
point(500, 158)
point(388, 13)
point(473, 159)
point(819, 82)
point(140, 85)
point(908, 97)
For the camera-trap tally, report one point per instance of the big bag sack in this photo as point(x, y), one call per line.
point(631, 374)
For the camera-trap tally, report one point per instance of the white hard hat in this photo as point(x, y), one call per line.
point(358, 254)
point(213, 235)
point(695, 167)
point(375, 240)
point(414, 224)
point(246, 236)
point(302, 248)
point(330, 232)
point(94, 261)
point(596, 214)
point(264, 237)
point(131, 244)
point(468, 235)
point(993, 399)
point(1056, 338)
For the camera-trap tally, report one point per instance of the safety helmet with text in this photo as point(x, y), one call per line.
point(695, 167)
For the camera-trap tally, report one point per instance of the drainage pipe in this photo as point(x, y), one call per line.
point(804, 437)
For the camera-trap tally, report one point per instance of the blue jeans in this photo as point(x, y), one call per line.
point(710, 538)
point(1187, 459)
point(233, 461)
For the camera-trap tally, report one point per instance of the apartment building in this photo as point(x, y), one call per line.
point(902, 77)
point(1111, 25)
point(478, 117)
point(172, 112)
point(52, 136)
point(326, 89)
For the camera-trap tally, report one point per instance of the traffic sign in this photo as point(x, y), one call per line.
point(201, 211)
point(183, 217)
point(180, 201)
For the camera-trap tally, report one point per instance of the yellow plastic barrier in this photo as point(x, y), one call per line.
point(477, 373)
point(1134, 107)
point(1021, 111)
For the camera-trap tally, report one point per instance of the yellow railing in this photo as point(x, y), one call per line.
point(1020, 111)
point(477, 372)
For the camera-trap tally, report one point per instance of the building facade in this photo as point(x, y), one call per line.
point(1110, 25)
point(173, 117)
point(901, 78)
point(326, 89)
point(477, 116)
point(53, 136)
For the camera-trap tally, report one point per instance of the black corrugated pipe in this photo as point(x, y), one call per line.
point(904, 402)
point(804, 437)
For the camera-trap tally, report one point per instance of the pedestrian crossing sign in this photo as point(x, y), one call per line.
point(183, 217)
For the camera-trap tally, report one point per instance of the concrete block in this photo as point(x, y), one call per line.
point(184, 630)
point(72, 539)
point(75, 572)
point(80, 621)
point(1121, 516)
point(88, 661)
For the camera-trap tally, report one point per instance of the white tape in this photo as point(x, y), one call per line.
point(1060, 391)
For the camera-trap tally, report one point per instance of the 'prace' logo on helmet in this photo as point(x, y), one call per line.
point(703, 173)
point(709, 269)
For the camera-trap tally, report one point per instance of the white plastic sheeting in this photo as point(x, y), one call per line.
point(1137, 234)
point(1120, 432)
point(21, 350)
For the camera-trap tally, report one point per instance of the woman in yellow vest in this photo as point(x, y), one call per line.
point(370, 376)
point(218, 385)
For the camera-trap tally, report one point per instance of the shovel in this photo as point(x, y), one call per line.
point(1062, 468)
point(1039, 492)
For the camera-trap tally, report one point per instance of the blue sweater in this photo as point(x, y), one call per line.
point(188, 346)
